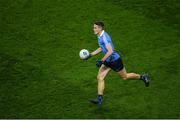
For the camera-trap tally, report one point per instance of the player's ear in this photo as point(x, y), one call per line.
point(101, 27)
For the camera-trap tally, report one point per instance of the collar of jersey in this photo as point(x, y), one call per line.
point(101, 33)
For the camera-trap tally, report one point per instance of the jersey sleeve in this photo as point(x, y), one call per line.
point(106, 39)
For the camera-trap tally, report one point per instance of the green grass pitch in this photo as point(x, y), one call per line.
point(42, 76)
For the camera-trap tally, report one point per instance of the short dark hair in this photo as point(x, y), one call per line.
point(99, 23)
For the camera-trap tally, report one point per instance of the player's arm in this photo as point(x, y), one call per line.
point(97, 51)
point(110, 51)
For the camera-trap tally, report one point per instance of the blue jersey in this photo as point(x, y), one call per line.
point(103, 40)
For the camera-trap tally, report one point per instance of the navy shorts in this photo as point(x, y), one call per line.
point(116, 65)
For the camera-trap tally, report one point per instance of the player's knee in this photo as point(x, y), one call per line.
point(99, 78)
point(124, 77)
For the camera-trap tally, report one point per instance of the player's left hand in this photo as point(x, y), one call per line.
point(99, 63)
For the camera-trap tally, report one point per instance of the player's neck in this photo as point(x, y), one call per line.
point(99, 34)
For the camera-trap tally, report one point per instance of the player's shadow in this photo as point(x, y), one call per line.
point(100, 111)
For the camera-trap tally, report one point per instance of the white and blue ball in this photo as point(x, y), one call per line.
point(84, 54)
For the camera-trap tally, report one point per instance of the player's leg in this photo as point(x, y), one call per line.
point(133, 76)
point(103, 71)
point(128, 76)
point(120, 69)
point(118, 66)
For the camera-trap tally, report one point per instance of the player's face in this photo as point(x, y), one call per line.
point(97, 29)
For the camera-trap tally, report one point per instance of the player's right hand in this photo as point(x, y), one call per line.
point(88, 57)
